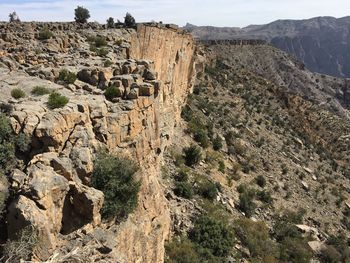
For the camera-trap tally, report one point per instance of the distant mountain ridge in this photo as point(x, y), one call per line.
point(322, 43)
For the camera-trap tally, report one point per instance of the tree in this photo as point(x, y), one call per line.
point(129, 20)
point(110, 22)
point(193, 155)
point(14, 17)
point(115, 177)
point(81, 14)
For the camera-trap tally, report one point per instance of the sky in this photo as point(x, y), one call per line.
point(237, 13)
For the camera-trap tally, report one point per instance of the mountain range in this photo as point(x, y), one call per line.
point(322, 43)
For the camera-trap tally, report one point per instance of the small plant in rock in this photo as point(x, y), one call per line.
point(100, 41)
point(18, 93)
point(115, 177)
point(57, 100)
point(45, 33)
point(260, 181)
point(112, 92)
point(193, 155)
point(107, 63)
point(102, 52)
point(22, 247)
point(217, 143)
point(67, 76)
point(81, 15)
point(40, 91)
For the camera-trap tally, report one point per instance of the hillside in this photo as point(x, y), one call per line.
point(137, 144)
point(321, 42)
point(274, 154)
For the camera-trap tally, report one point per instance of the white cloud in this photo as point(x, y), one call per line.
point(201, 12)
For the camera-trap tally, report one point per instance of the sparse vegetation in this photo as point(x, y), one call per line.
point(67, 76)
point(57, 100)
point(18, 93)
point(22, 247)
point(40, 91)
point(45, 33)
point(115, 177)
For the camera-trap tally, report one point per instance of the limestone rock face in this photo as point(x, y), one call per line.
point(153, 71)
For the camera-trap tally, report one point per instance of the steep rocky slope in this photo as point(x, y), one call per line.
point(51, 189)
point(274, 153)
point(321, 42)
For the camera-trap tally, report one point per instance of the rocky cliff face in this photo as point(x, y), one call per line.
point(321, 42)
point(153, 68)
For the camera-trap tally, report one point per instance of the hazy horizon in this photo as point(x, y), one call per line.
point(223, 13)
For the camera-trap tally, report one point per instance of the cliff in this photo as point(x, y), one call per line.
point(153, 67)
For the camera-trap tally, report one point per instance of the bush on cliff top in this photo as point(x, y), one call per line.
point(115, 177)
point(81, 15)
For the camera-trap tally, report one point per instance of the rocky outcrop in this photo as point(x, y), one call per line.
point(153, 71)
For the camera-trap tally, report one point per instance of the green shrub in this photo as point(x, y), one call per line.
point(45, 33)
point(183, 189)
point(112, 92)
point(115, 177)
point(295, 250)
point(57, 100)
point(67, 76)
point(246, 202)
point(193, 155)
point(40, 91)
point(330, 255)
point(217, 143)
point(100, 41)
point(7, 148)
point(213, 235)
point(23, 142)
point(183, 251)
point(261, 181)
point(207, 189)
point(255, 236)
point(285, 225)
point(81, 14)
point(265, 196)
point(18, 93)
point(337, 246)
point(107, 63)
point(182, 175)
point(201, 137)
point(102, 52)
point(222, 166)
point(3, 193)
point(186, 113)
